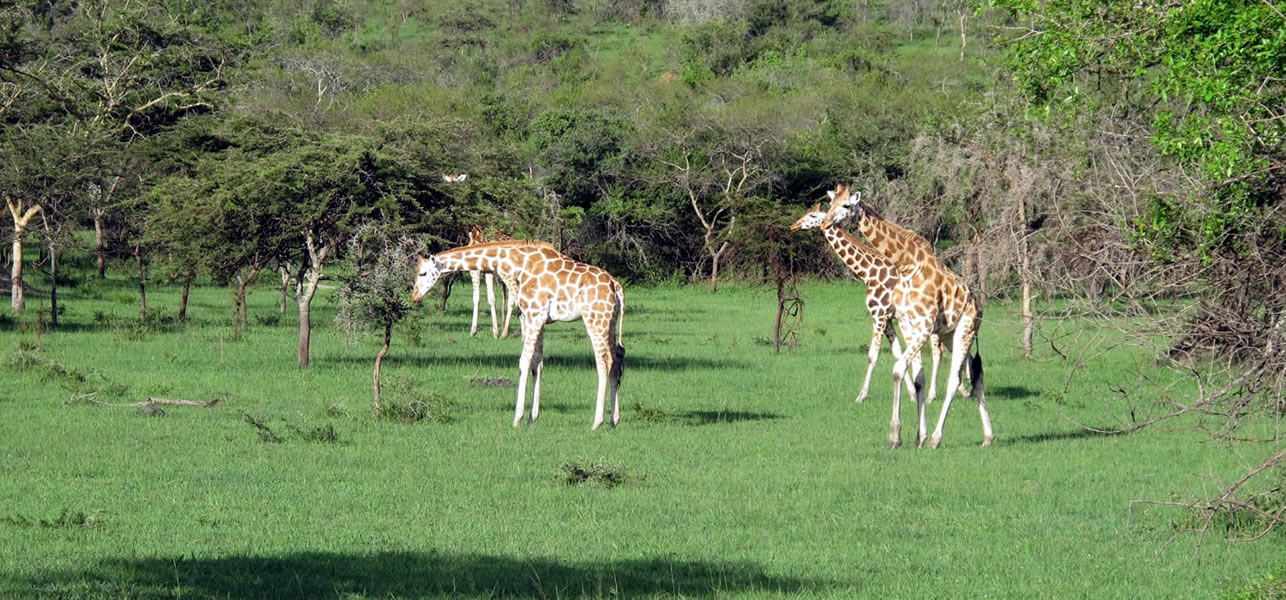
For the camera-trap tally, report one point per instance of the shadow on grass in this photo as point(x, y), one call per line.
point(1055, 436)
point(408, 574)
point(1011, 392)
point(560, 361)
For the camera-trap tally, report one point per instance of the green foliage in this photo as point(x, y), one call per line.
point(375, 294)
point(1204, 70)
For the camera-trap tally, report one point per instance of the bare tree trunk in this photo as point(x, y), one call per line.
point(21, 218)
point(99, 248)
point(53, 285)
point(284, 271)
point(18, 301)
point(714, 267)
point(1027, 314)
point(963, 17)
point(183, 301)
point(239, 320)
point(379, 360)
point(317, 260)
point(142, 279)
point(446, 291)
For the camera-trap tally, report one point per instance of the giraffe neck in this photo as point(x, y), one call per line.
point(904, 247)
point(851, 252)
point(493, 258)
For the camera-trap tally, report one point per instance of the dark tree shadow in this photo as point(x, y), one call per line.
point(1056, 436)
point(421, 358)
point(409, 574)
point(1011, 392)
point(647, 415)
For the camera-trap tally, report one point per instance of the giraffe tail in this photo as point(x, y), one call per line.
point(618, 350)
point(620, 317)
point(975, 361)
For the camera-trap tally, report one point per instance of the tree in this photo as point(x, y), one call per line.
point(111, 74)
point(1205, 77)
point(375, 296)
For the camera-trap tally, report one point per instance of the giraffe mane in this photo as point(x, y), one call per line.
point(535, 243)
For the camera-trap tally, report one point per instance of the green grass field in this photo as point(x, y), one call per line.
point(735, 472)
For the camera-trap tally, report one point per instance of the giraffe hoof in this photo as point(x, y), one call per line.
point(895, 444)
point(860, 399)
point(933, 443)
point(987, 441)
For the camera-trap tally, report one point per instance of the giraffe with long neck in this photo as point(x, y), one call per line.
point(548, 287)
point(930, 299)
point(880, 276)
point(476, 236)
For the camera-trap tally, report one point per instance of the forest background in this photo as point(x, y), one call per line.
point(1118, 160)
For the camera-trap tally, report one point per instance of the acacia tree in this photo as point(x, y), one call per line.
point(375, 296)
point(109, 73)
point(327, 188)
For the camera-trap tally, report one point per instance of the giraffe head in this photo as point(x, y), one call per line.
point(811, 219)
point(844, 204)
point(427, 272)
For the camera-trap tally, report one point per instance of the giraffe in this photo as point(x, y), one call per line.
point(476, 235)
point(861, 259)
point(930, 299)
point(548, 287)
point(881, 278)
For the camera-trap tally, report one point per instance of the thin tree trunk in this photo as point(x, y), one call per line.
point(285, 284)
point(1027, 314)
point(240, 320)
point(53, 286)
point(317, 261)
point(100, 254)
point(963, 17)
point(183, 301)
point(21, 218)
point(379, 360)
point(446, 291)
point(781, 308)
point(714, 267)
point(240, 323)
point(142, 279)
point(18, 301)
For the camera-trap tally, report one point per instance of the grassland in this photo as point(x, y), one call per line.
point(735, 472)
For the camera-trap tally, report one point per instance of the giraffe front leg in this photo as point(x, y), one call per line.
point(873, 355)
point(530, 332)
point(474, 276)
point(491, 303)
point(910, 359)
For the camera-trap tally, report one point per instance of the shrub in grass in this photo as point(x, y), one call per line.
point(66, 519)
point(411, 403)
point(593, 472)
point(325, 434)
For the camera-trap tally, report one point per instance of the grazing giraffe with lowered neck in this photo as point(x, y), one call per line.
point(548, 287)
point(930, 299)
point(880, 276)
point(477, 236)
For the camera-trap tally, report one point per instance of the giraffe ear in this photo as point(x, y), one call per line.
point(830, 194)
